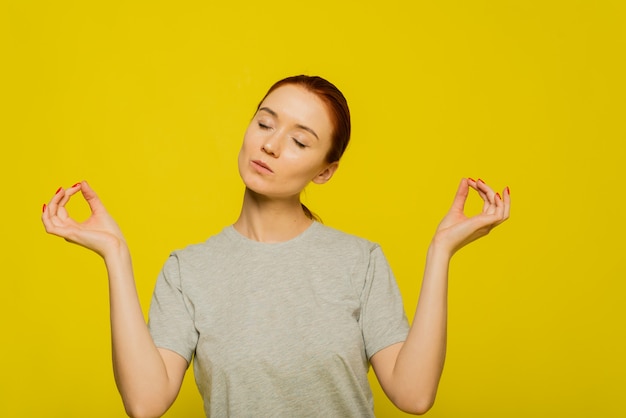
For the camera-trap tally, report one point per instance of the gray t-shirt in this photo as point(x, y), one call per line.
point(279, 330)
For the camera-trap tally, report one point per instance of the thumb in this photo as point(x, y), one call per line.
point(461, 196)
point(91, 197)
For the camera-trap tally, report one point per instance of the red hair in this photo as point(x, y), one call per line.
point(336, 105)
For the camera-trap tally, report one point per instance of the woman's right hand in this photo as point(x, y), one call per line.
point(99, 233)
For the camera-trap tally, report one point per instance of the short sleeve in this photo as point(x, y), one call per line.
point(171, 317)
point(383, 320)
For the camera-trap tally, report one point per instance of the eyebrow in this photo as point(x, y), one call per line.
point(303, 127)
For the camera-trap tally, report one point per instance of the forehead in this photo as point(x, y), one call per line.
point(295, 104)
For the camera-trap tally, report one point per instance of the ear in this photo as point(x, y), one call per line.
point(327, 173)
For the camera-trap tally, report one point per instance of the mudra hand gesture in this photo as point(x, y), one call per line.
point(456, 230)
point(99, 233)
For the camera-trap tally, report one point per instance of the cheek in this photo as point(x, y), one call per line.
point(252, 140)
point(243, 152)
point(247, 143)
point(303, 168)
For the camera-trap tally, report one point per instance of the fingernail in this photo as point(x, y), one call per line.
point(43, 209)
point(498, 196)
point(58, 190)
point(76, 184)
point(481, 180)
point(508, 191)
point(471, 179)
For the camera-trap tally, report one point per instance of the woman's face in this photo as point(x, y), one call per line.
point(286, 143)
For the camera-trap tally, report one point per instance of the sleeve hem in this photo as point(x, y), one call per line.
point(391, 341)
point(181, 352)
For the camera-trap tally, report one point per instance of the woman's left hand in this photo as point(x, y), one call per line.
point(456, 230)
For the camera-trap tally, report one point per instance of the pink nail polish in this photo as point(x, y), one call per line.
point(471, 179)
point(481, 181)
point(508, 191)
point(58, 190)
point(76, 184)
point(43, 209)
point(498, 196)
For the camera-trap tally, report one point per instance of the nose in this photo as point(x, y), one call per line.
point(272, 146)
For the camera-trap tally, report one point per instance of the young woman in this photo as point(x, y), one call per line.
point(282, 315)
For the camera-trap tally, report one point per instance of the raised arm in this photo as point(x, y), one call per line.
point(409, 372)
point(148, 378)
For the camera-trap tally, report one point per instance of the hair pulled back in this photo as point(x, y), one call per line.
point(338, 110)
point(336, 105)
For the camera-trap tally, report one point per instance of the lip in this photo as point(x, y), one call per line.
point(261, 166)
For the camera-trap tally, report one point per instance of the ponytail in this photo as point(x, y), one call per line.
point(310, 214)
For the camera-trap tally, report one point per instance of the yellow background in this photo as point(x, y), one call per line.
point(149, 101)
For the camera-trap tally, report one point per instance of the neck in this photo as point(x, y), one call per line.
point(271, 220)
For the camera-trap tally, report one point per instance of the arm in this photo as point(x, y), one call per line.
point(148, 378)
point(409, 372)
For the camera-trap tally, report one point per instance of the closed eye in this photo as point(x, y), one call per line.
point(263, 126)
point(298, 143)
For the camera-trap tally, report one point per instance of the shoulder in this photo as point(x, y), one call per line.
point(342, 241)
point(197, 261)
point(215, 245)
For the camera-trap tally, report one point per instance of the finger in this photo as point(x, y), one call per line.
point(54, 202)
point(52, 223)
point(486, 190)
point(506, 201)
point(474, 185)
point(61, 211)
point(54, 213)
point(498, 207)
point(92, 198)
point(496, 215)
point(490, 206)
point(461, 196)
point(68, 193)
point(485, 221)
point(485, 198)
point(45, 216)
point(486, 204)
point(506, 193)
point(480, 192)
